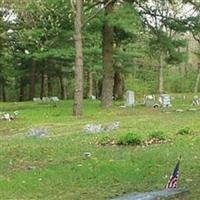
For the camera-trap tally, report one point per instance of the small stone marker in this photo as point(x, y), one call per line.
point(35, 99)
point(54, 99)
point(45, 99)
point(179, 110)
point(154, 195)
point(37, 132)
point(130, 98)
point(97, 128)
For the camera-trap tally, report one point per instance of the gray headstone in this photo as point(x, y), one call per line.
point(165, 100)
point(154, 195)
point(130, 98)
point(37, 132)
point(149, 100)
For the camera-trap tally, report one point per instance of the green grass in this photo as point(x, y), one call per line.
point(54, 167)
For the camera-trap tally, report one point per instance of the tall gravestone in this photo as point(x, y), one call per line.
point(130, 98)
point(165, 100)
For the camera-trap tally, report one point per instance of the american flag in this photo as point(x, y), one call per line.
point(172, 183)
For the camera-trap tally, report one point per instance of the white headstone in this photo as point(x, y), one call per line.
point(130, 98)
point(165, 100)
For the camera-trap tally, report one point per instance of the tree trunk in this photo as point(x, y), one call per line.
point(21, 90)
point(49, 86)
point(108, 70)
point(161, 75)
point(197, 80)
point(33, 80)
point(3, 93)
point(118, 86)
point(78, 96)
point(63, 87)
point(90, 81)
point(42, 85)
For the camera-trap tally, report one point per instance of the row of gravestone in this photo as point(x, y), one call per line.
point(149, 100)
point(46, 99)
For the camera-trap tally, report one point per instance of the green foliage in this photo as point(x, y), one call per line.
point(130, 138)
point(185, 131)
point(156, 134)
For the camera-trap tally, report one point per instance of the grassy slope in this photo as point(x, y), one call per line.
point(59, 169)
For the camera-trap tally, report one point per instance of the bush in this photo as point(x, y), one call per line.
point(157, 135)
point(185, 131)
point(130, 139)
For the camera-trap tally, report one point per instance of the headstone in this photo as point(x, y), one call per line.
point(154, 195)
point(37, 132)
point(149, 100)
point(165, 100)
point(179, 110)
point(130, 98)
point(93, 128)
point(98, 128)
point(54, 99)
point(35, 99)
point(92, 97)
point(196, 101)
point(45, 99)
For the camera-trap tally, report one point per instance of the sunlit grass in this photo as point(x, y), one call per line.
point(54, 167)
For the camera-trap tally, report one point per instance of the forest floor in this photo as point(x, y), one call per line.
point(54, 167)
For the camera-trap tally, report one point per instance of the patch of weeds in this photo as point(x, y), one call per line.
point(106, 140)
point(160, 135)
point(185, 131)
point(130, 139)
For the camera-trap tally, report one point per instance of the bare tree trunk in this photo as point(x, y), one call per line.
point(49, 86)
point(118, 86)
point(78, 96)
point(63, 87)
point(3, 93)
point(21, 90)
point(161, 75)
point(197, 80)
point(90, 81)
point(33, 80)
point(42, 85)
point(108, 70)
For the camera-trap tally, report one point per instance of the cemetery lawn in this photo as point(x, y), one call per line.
point(53, 167)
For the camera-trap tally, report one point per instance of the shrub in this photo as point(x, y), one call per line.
point(157, 135)
point(185, 131)
point(130, 139)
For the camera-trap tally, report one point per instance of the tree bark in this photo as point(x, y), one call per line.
point(118, 86)
point(78, 96)
point(161, 75)
point(90, 82)
point(108, 70)
point(49, 86)
point(63, 88)
point(42, 85)
point(33, 80)
point(21, 90)
point(3, 93)
point(197, 80)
